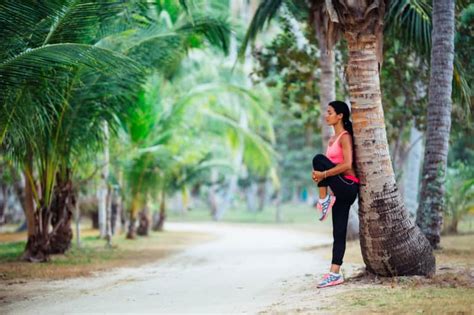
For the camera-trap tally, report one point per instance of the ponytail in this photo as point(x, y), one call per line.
point(348, 126)
point(342, 108)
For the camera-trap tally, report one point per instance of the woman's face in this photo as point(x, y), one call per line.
point(332, 117)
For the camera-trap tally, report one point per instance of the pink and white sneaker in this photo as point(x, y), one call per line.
point(331, 279)
point(325, 206)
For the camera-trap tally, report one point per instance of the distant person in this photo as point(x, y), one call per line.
point(336, 170)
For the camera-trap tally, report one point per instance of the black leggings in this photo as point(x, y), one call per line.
point(346, 192)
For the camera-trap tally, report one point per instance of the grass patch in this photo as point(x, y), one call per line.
point(403, 300)
point(94, 256)
point(11, 251)
point(456, 249)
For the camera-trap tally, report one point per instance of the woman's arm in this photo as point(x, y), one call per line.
point(346, 143)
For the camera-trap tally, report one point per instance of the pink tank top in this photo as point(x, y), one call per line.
point(335, 154)
point(334, 151)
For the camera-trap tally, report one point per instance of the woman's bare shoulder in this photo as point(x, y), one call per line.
point(346, 138)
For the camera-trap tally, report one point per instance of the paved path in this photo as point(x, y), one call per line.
point(244, 270)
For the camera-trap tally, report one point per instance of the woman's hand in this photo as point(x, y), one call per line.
point(318, 176)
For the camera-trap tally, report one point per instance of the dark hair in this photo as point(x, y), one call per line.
point(342, 108)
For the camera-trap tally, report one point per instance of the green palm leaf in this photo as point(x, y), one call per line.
point(34, 24)
point(35, 65)
point(410, 22)
point(266, 11)
point(259, 154)
point(215, 29)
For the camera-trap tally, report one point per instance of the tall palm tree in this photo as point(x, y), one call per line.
point(430, 211)
point(391, 243)
point(419, 13)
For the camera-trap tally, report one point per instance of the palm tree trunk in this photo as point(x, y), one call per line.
point(61, 209)
point(110, 217)
point(327, 84)
point(131, 234)
point(453, 226)
point(108, 196)
point(251, 197)
point(430, 210)
point(278, 211)
point(162, 217)
point(77, 220)
point(115, 211)
point(144, 222)
point(102, 209)
point(411, 176)
point(262, 194)
point(29, 201)
point(103, 191)
point(36, 246)
point(213, 197)
point(391, 244)
point(3, 201)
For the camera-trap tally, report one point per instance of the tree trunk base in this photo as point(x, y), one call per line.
point(160, 223)
point(143, 227)
point(61, 241)
point(131, 233)
point(35, 250)
point(130, 236)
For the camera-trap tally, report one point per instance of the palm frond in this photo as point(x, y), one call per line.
point(410, 21)
point(81, 22)
point(250, 103)
point(462, 92)
point(162, 52)
point(34, 24)
point(35, 65)
point(258, 153)
point(19, 20)
point(266, 11)
point(62, 89)
point(215, 29)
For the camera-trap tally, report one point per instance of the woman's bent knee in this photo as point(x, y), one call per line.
point(318, 161)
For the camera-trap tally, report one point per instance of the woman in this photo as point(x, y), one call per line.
point(336, 170)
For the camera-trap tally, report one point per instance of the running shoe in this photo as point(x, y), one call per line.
point(331, 279)
point(325, 206)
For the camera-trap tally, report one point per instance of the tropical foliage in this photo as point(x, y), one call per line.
point(138, 108)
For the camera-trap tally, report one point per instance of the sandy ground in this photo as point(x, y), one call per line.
point(246, 269)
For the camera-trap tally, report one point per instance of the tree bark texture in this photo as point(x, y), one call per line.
point(430, 210)
point(411, 176)
point(391, 244)
point(61, 210)
point(162, 216)
point(143, 223)
point(327, 82)
point(3, 201)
